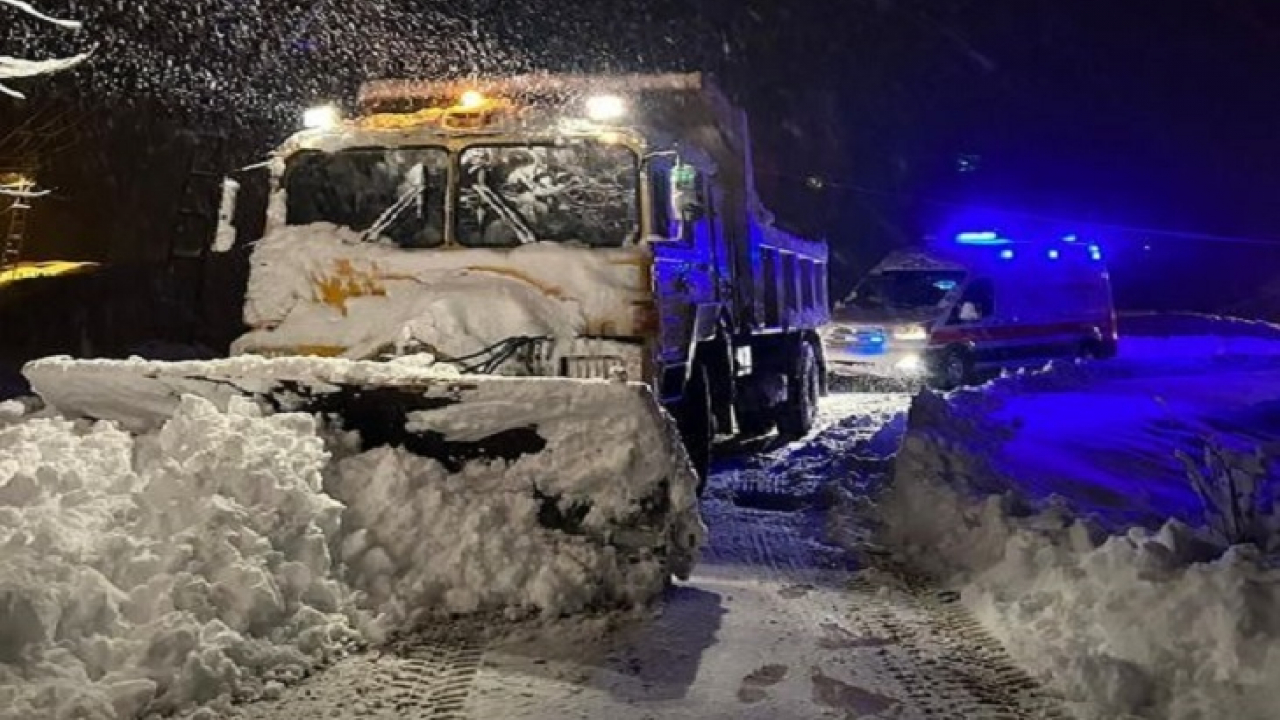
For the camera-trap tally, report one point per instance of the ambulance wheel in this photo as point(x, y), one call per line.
point(1097, 349)
point(696, 424)
point(800, 411)
point(1088, 350)
point(955, 370)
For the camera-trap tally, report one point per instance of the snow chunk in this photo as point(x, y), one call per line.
point(158, 572)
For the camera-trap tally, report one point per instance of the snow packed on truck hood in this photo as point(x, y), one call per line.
point(1021, 495)
point(219, 552)
point(318, 285)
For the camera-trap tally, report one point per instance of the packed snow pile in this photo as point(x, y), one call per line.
point(221, 545)
point(162, 571)
point(1154, 623)
point(604, 514)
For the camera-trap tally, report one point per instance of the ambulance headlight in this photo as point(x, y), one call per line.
point(910, 365)
point(911, 332)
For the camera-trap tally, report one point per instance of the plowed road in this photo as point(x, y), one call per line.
point(776, 623)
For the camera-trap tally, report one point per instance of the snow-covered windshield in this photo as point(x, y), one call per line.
point(579, 192)
point(398, 194)
point(905, 289)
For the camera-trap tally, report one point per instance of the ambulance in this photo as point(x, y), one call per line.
point(953, 312)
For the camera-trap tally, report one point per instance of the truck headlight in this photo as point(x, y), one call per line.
point(911, 332)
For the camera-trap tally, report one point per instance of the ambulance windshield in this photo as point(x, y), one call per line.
point(905, 289)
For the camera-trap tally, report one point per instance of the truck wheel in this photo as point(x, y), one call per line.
point(800, 411)
point(753, 424)
point(695, 424)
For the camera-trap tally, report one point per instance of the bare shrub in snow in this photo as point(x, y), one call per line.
point(1240, 490)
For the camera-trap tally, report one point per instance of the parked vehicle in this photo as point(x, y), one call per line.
point(950, 312)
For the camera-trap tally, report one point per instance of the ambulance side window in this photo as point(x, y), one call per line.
point(977, 304)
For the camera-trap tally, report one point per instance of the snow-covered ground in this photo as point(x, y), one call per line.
point(1021, 495)
point(986, 571)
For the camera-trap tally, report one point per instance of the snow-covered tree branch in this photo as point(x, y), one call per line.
point(11, 67)
point(21, 190)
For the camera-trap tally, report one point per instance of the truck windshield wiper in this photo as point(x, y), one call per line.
point(503, 209)
point(390, 215)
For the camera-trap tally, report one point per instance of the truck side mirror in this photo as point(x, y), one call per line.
point(225, 236)
point(686, 204)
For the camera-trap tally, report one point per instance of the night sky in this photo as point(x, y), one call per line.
point(1148, 125)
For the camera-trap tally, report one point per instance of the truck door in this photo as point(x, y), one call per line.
point(685, 276)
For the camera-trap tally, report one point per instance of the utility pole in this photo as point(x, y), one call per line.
point(22, 186)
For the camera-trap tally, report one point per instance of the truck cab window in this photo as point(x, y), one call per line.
point(580, 192)
point(393, 194)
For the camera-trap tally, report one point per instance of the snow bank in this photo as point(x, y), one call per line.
point(222, 550)
point(1146, 623)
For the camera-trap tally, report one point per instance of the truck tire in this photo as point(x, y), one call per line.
point(753, 424)
point(696, 425)
point(800, 411)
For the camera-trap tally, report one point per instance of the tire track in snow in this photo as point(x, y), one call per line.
point(921, 640)
point(425, 676)
point(939, 652)
point(434, 680)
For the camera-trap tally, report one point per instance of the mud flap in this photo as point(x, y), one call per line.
point(601, 461)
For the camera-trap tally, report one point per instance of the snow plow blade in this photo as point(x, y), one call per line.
point(591, 473)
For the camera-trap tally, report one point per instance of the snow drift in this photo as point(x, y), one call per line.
point(1155, 623)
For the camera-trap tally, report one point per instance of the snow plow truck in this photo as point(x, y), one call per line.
point(463, 242)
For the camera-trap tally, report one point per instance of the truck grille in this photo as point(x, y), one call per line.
point(592, 366)
point(598, 359)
